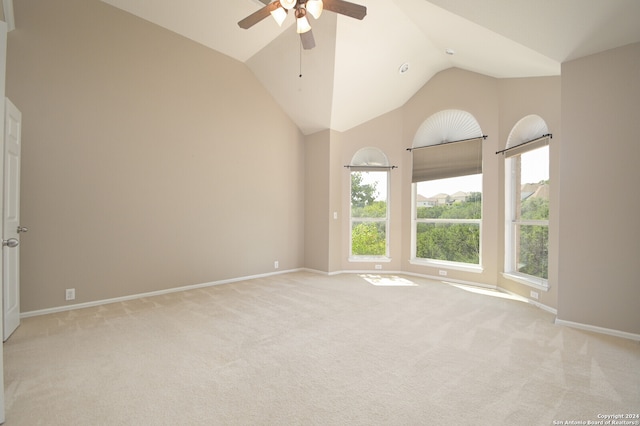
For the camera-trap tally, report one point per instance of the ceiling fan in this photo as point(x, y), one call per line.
point(279, 9)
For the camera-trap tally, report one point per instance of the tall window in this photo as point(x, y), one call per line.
point(447, 191)
point(369, 213)
point(527, 202)
point(369, 205)
point(528, 215)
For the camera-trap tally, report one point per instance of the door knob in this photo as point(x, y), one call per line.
point(11, 242)
point(22, 229)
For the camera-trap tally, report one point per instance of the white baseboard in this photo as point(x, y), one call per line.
point(596, 329)
point(149, 294)
point(535, 303)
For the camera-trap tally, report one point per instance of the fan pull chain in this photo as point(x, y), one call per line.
point(300, 59)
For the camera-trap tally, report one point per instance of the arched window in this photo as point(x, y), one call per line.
point(527, 202)
point(447, 191)
point(369, 205)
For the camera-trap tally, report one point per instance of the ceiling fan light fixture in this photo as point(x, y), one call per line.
point(315, 7)
point(279, 14)
point(302, 21)
point(303, 25)
point(288, 4)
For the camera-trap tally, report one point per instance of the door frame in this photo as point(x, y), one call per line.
point(3, 73)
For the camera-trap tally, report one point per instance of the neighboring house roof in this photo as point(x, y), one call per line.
point(535, 190)
point(440, 196)
point(460, 195)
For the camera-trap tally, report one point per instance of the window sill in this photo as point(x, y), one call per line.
point(465, 267)
point(542, 285)
point(379, 259)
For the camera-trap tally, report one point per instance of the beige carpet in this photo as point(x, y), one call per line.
point(307, 349)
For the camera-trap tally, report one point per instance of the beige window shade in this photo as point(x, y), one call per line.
point(447, 144)
point(529, 133)
point(447, 160)
point(527, 146)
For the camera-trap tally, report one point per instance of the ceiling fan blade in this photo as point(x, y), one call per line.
point(308, 42)
point(258, 16)
point(266, 1)
point(346, 8)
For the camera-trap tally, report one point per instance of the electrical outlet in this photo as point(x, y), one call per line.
point(70, 294)
point(442, 272)
point(534, 294)
point(276, 264)
point(378, 266)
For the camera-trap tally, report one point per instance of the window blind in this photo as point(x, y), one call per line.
point(447, 160)
point(526, 146)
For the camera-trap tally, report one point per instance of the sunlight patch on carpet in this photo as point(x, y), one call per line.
point(487, 292)
point(387, 280)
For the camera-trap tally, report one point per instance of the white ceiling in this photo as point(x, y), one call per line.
point(351, 76)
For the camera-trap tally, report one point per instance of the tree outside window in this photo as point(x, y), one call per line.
point(528, 214)
point(369, 213)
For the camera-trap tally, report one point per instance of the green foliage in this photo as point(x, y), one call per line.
point(534, 250)
point(368, 238)
point(533, 256)
point(450, 241)
point(535, 208)
point(375, 209)
point(469, 209)
point(474, 197)
point(361, 194)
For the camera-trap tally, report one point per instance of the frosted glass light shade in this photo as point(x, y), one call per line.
point(314, 7)
point(279, 15)
point(303, 25)
point(288, 4)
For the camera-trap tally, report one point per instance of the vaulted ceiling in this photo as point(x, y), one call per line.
point(352, 75)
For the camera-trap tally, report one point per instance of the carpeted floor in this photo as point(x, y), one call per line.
point(309, 349)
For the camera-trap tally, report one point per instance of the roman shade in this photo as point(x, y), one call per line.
point(447, 144)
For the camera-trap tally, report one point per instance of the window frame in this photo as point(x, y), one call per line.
point(438, 263)
point(513, 190)
point(386, 220)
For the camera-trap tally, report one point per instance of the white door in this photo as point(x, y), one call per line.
point(3, 60)
point(11, 228)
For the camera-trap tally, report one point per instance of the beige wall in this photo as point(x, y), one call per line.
point(599, 250)
point(317, 190)
point(149, 161)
